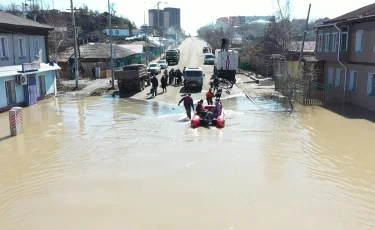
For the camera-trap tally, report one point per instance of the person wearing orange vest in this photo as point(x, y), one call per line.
point(209, 96)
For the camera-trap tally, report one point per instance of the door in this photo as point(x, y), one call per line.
point(33, 96)
point(42, 85)
point(330, 76)
point(10, 87)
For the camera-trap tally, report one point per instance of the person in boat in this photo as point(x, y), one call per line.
point(200, 109)
point(188, 104)
point(209, 96)
point(211, 115)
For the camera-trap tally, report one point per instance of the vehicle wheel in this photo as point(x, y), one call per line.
point(200, 88)
point(139, 89)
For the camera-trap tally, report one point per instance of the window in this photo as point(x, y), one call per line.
point(326, 42)
point(320, 42)
point(338, 78)
point(36, 48)
point(330, 76)
point(10, 88)
point(371, 84)
point(42, 85)
point(22, 47)
point(358, 40)
point(344, 39)
point(3, 47)
point(334, 42)
point(353, 81)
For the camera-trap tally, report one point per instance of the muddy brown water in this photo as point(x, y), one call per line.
point(112, 163)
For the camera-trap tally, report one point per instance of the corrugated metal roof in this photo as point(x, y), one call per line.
point(10, 19)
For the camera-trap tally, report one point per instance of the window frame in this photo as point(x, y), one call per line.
point(347, 38)
point(355, 83)
point(358, 49)
point(36, 51)
point(338, 85)
point(6, 47)
point(334, 42)
point(327, 38)
point(22, 52)
point(320, 42)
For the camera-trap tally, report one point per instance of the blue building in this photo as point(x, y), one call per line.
point(26, 76)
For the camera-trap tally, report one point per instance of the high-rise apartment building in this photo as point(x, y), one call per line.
point(168, 17)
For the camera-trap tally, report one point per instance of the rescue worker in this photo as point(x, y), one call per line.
point(209, 96)
point(215, 113)
point(188, 104)
point(164, 83)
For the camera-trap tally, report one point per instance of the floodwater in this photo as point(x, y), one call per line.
point(111, 163)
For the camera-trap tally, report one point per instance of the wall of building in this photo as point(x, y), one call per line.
point(49, 83)
point(29, 56)
point(359, 97)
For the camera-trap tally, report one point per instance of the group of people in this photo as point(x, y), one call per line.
point(174, 77)
point(209, 115)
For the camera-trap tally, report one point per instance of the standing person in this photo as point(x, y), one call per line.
point(188, 104)
point(223, 44)
point(83, 71)
point(93, 71)
point(164, 83)
point(171, 76)
point(183, 71)
point(179, 77)
point(218, 94)
point(209, 96)
point(216, 83)
point(186, 85)
point(155, 84)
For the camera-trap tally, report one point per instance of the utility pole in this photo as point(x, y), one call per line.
point(304, 38)
point(76, 73)
point(110, 44)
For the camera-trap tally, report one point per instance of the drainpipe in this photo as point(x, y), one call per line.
point(338, 56)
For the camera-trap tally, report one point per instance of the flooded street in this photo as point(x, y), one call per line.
point(112, 163)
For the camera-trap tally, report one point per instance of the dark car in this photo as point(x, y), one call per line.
point(205, 49)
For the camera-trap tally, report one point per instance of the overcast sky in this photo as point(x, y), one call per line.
point(196, 13)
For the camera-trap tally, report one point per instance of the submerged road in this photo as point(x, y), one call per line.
point(191, 56)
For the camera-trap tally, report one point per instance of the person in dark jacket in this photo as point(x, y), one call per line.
point(179, 77)
point(171, 76)
point(216, 83)
point(223, 44)
point(155, 84)
point(188, 104)
point(164, 82)
point(93, 70)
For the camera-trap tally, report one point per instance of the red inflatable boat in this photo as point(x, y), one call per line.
point(197, 121)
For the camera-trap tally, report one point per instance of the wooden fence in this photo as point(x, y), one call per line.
point(319, 94)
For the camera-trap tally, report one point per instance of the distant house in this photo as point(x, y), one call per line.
point(98, 55)
point(26, 76)
point(138, 49)
point(346, 45)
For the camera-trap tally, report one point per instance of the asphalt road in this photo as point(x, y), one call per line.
point(191, 55)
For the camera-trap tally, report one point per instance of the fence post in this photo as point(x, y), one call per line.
point(16, 121)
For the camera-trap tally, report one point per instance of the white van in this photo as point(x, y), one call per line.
point(195, 76)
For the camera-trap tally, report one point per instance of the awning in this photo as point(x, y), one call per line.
point(14, 70)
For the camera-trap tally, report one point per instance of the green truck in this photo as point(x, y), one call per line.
point(172, 56)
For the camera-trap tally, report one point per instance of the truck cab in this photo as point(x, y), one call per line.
point(195, 76)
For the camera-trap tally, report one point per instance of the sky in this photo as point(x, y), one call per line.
point(197, 13)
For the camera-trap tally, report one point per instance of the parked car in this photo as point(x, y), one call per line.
point(205, 49)
point(154, 68)
point(209, 59)
point(163, 64)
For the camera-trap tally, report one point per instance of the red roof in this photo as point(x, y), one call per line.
point(365, 11)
